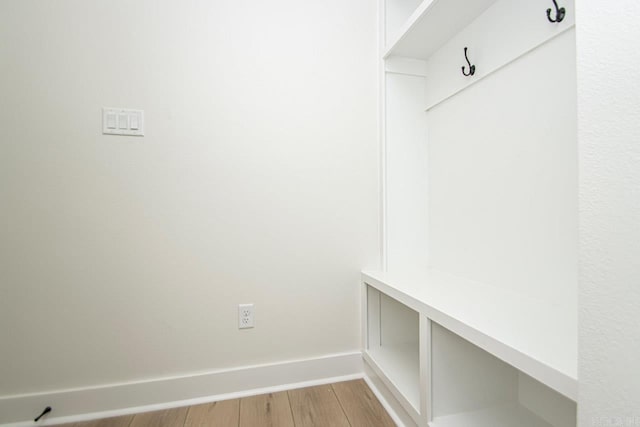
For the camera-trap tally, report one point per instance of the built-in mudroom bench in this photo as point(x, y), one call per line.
point(472, 321)
point(459, 353)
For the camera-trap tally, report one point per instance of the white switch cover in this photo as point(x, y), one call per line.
point(134, 122)
point(111, 121)
point(129, 122)
point(123, 121)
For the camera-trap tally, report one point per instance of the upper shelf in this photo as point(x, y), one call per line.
point(536, 337)
point(432, 24)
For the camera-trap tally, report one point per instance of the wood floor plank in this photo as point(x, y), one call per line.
point(360, 405)
point(266, 410)
point(165, 418)
point(219, 414)
point(123, 421)
point(316, 406)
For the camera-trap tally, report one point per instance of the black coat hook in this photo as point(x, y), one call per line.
point(46, 411)
point(560, 12)
point(472, 68)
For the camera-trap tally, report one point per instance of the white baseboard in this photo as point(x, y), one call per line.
point(83, 404)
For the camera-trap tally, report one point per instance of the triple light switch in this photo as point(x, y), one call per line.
point(122, 121)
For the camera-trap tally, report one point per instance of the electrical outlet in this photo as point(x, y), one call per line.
point(245, 316)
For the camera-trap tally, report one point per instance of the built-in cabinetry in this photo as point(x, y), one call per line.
point(473, 319)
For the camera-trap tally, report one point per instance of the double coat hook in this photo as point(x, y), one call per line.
point(472, 68)
point(560, 12)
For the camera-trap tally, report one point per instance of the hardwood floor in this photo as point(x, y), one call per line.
point(310, 406)
point(269, 410)
point(345, 404)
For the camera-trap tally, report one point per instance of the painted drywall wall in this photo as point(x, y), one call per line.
point(609, 144)
point(125, 258)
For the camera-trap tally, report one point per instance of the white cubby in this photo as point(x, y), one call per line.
point(473, 388)
point(393, 345)
point(480, 197)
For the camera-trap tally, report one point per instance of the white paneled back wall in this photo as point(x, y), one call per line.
point(503, 198)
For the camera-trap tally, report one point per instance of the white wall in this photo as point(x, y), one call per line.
point(125, 258)
point(609, 140)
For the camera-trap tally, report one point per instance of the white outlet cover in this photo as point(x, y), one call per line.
point(122, 121)
point(245, 316)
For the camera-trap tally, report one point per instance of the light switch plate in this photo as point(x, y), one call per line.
point(122, 121)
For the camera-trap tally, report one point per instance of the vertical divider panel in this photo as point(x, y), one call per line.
point(364, 316)
point(425, 370)
point(372, 318)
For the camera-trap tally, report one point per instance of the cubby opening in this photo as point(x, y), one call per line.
point(471, 387)
point(393, 343)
